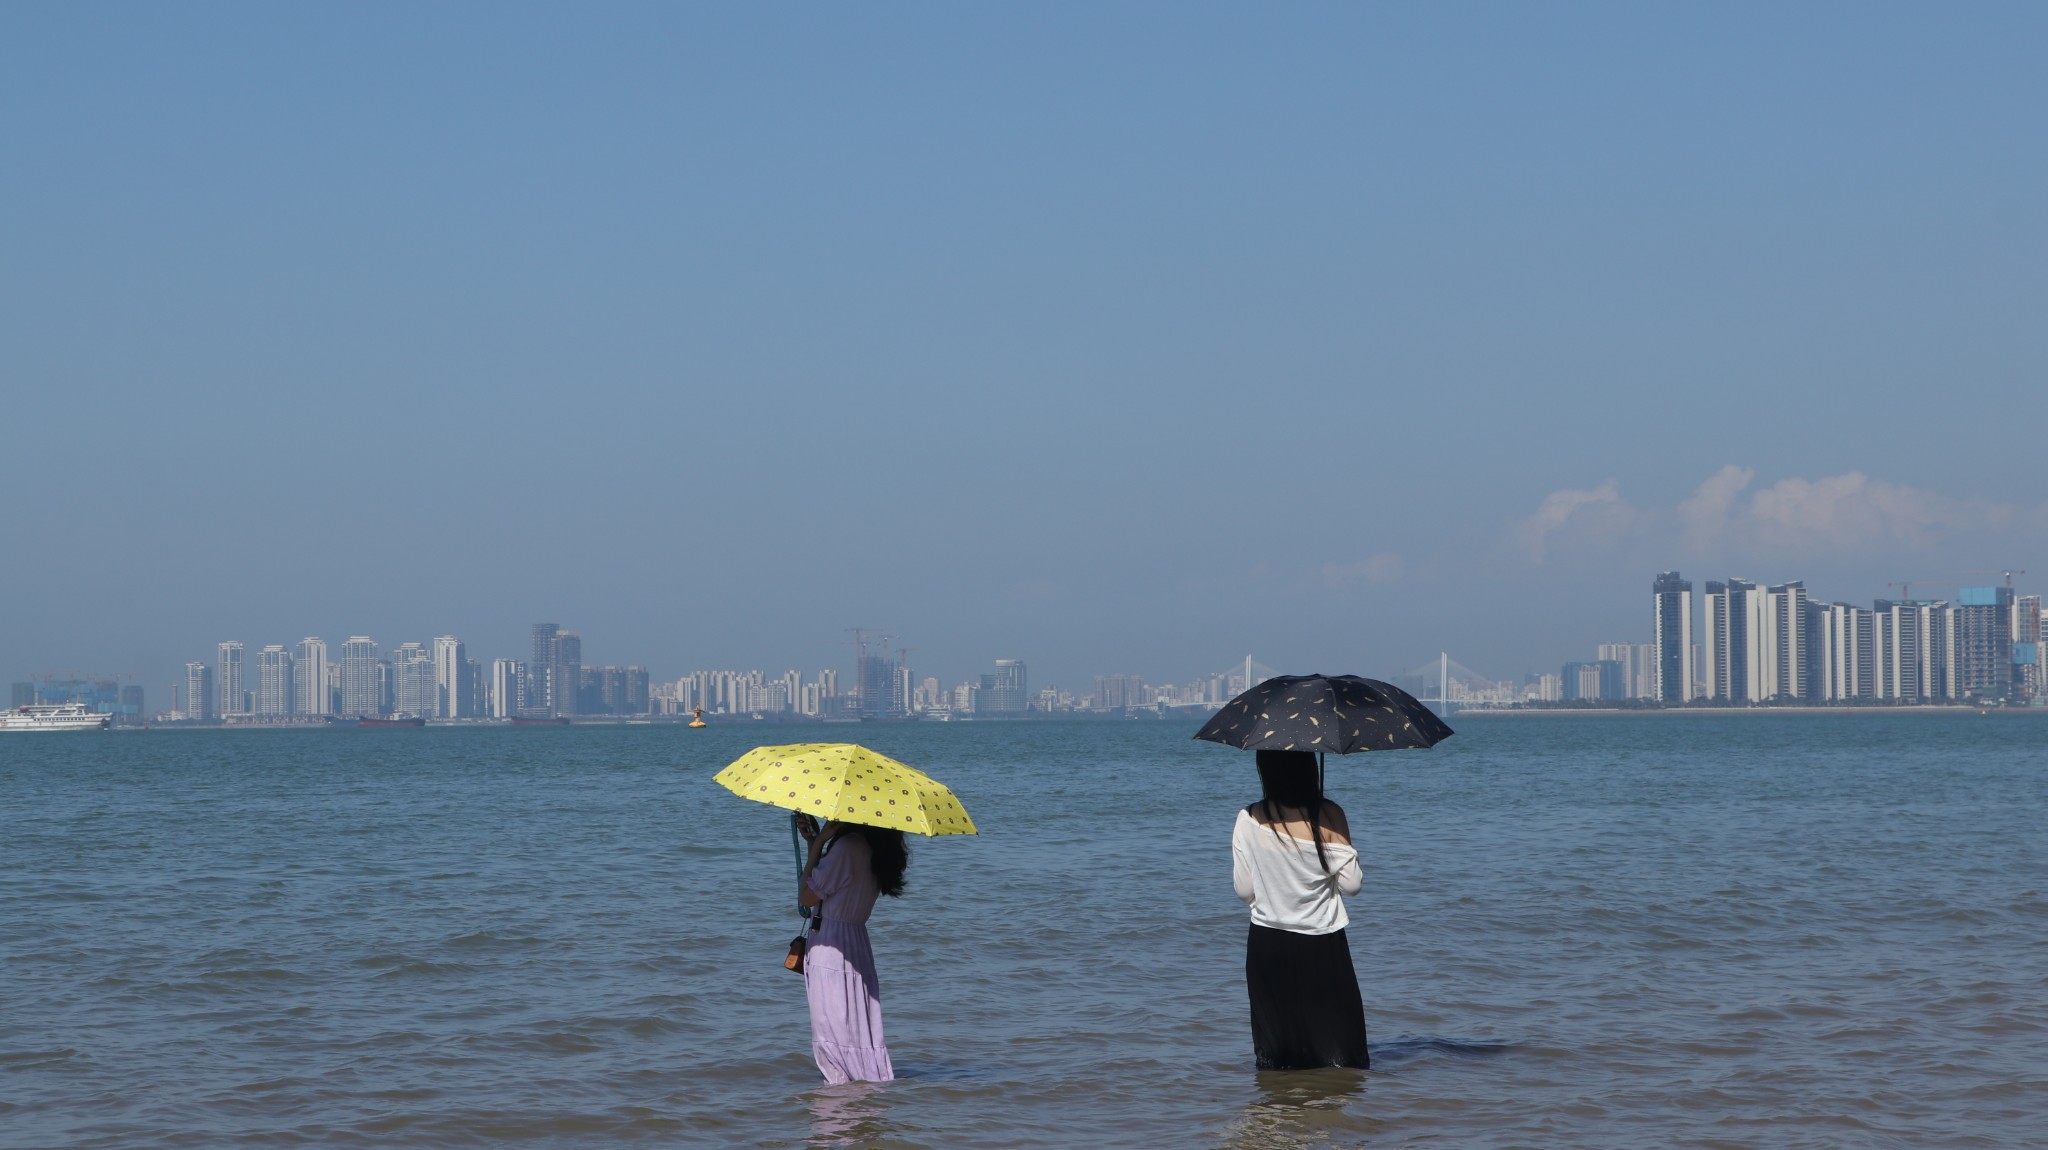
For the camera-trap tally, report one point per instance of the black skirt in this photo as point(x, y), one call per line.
point(1306, 1010)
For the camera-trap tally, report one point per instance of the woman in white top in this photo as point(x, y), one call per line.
point(1293, 862)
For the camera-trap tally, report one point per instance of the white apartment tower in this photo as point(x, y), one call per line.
point(1842, 652)
point(1734, 641)
point(504, 701)
point(412, 667)
point(310, 678)
point(361, 692)
point(273, 681)
point(227, 681)
point(1784, 641)
point(199, 693)
point(1671, 658)
point(451, 678)
point(1910, 647)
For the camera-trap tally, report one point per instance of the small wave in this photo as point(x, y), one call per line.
point(257, 974)
point(943, 1072)
point(1409, 1047)
point(271, 1086)
point(561, 1042)
point(398, 964)
point(490, 940)
point(25, 1059)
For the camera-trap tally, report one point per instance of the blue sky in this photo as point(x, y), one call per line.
point(1111, 337)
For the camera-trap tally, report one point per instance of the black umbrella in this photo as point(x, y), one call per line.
point(1337, 714)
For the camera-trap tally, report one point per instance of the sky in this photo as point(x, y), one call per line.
point(1118, 338)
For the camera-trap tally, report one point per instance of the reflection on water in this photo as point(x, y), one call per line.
point(1302, 1108)
point(850, 1114)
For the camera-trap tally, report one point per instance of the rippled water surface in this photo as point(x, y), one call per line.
point(1763, 930)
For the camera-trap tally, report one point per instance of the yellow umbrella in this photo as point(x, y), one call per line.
point(848, 783)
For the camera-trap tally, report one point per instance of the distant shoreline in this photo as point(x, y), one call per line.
point(1910, 709)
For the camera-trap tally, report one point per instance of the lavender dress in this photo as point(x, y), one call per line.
point(839, 969)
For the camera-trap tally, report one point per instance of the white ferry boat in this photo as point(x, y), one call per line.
point(53, 717)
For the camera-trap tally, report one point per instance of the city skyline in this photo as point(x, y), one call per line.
point(1736, 641)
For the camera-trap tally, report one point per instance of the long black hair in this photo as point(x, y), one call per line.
point(1294, 779)
point(888, 856)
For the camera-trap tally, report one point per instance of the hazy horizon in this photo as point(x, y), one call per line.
point(1115, 339)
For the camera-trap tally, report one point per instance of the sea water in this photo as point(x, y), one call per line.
point(1666, 930)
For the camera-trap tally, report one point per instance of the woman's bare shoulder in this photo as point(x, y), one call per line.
point(1336, 823)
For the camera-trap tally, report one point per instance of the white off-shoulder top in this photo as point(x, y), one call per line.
point(1287, 889)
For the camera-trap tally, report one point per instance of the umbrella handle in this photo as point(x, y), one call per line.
point(796, 840)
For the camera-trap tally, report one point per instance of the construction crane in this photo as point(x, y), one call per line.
point(1906, 586)
point(2007, 574)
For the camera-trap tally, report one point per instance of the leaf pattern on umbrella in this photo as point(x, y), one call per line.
point(1359, 710)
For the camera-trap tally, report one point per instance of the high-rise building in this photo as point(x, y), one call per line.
point(609, 696)
point(227, 682)
point(1004, 691)
point(1982, 638)
point(274, 681)
point(1911, 650)
point(131, 706)
point(362, 680)
point(770, 698)
point(566, 689)
point(1735, 620)
point(2026, 649)
point(311, 678)
point(1623, 654)
point(1784, 641)
point(879, 687)
point(412, 681)
point(451, 679)
point(1842, 652)
point(1601, 679)
point(636, 690)
point(537, 693)
point(506, 677)
point(199, 704)
point(1120, 692)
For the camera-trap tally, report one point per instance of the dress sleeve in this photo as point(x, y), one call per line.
point(1350, 877)
point(1240, 860)
point(829, 876)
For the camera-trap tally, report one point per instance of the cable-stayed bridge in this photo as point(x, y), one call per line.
point(1444, 684)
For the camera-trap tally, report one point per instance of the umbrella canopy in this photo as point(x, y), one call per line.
point(1337, 714)
point(847, 783)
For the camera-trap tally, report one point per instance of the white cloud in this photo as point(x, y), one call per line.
point(1836, 514)
point(1849, 512)
point(1728, 517)
point(1705, 516)
point(1598, 511)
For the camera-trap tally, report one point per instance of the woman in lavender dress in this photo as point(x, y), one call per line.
point(848, 867)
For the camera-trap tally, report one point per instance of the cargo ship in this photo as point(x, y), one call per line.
point(53, 717)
